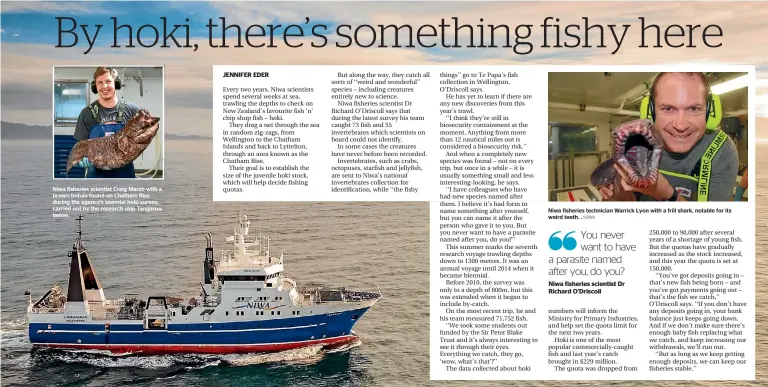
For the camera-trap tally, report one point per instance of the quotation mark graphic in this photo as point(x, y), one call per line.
point(567, 242)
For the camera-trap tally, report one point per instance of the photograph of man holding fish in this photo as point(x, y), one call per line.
point(669, 136)
point(107, 122)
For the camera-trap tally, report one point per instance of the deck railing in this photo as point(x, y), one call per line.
point(318, 296)
point(47, 310)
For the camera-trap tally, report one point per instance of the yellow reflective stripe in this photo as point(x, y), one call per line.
point(680, 175)
point(706, 164)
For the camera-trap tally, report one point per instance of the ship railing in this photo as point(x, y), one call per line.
point(47, 310)
point(107, 315)
point(317, 296)
point(355, 296)
point(227, 260)
point(252, 242)
point(131, 297)
point(114, 303)
point(128, 316)
point(230, 262)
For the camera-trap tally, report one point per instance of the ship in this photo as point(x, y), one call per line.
point(246, 305)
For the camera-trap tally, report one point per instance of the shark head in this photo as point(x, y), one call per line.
point(637, 147)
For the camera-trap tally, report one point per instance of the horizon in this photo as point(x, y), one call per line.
point(49, 127)
point(171, 135)
point(29, 35)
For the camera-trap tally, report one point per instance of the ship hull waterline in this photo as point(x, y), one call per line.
point(207, 338)
point(216, 349)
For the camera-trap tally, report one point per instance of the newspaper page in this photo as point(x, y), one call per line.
point(526, 282)
point(381, 194)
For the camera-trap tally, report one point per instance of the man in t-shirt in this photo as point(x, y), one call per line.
point(680, 104)
point(105, 117)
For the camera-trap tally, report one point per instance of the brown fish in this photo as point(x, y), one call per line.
point(637, 147)
point(119, 149)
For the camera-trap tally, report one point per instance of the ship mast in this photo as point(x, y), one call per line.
point(79, 242)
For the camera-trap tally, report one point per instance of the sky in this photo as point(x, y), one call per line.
point(30, 33)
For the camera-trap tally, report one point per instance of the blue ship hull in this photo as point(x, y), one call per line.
point(212, 337)
point(246, 281)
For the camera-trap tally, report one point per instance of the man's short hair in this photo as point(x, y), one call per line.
point(103, 70)
point(700, 76)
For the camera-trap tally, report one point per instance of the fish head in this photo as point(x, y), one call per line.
point(143, 127)
point(637, 147)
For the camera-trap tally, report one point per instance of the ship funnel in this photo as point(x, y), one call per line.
point(208, 269)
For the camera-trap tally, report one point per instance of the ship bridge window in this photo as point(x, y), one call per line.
point(224, 278)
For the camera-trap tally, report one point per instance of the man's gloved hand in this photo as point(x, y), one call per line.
point(84, 163)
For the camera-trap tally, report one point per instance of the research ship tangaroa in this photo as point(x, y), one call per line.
point(245, 305)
